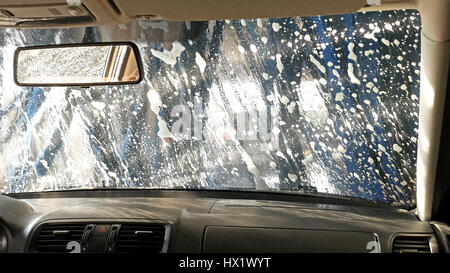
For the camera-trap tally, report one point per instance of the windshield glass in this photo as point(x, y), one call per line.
point(323, 104)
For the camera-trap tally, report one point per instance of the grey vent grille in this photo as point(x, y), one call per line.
point(55, 237)
point(141, 238)
point(411, 244)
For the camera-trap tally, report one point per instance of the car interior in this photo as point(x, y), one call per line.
point(74, 179)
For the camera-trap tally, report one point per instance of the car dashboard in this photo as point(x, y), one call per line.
point(183, 221)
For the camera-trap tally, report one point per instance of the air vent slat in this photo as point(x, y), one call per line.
point(142, 229)
point(44, 242)
point(132, 233)
point(52, 226)
point(411, 244)
point(141, 238)
point(132, 237)
point(157, 226)
point(53, 248)
point(71, 232)
point(133, 248)
point(137, 242)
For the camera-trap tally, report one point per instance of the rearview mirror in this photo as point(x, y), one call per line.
point(78, 65)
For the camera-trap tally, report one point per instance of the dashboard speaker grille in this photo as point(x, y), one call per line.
point(141, 238)
point(55, 11)
point(411, 244)
point(55, 237)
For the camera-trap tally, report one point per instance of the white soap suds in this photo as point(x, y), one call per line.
point(388, 26)
point(259, 22)
point(335, 73)
point(155, 106)
point(200, 62)
point(369, 52)
point(351, 54)
point(397, 148)
point(284, 100)
point(317, 63)
point(276, 27)
point(279, 63)
point(381, 148)
point(169, 56)
point(98, 105)
point(292, 177)
point(353, 79)
point(291, 107)
point(339, 96)
point(384, 41)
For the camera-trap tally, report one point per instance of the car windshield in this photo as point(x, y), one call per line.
point(322, 104)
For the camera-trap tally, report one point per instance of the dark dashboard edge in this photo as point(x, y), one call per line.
point(219, 194)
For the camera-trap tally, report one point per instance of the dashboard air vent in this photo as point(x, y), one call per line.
point(141, 238)
point(411, 244)
point(55, 237)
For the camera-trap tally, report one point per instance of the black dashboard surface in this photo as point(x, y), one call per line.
point(208, 221)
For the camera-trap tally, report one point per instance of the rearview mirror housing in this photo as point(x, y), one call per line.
point(112, 63)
